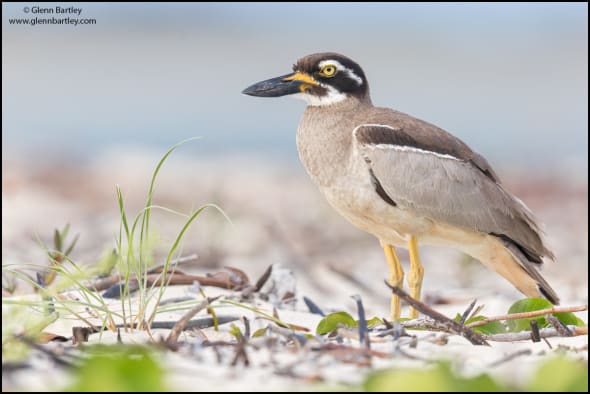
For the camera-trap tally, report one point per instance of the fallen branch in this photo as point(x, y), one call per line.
point(420, 323)
point(181, 324)
point(525, 315)
point(234, 279)
point(200, 323)
point(527, 335)
point(451, 325)
point(106, 282)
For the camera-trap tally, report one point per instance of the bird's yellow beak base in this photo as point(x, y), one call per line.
point(307, 81)
point(296, 82)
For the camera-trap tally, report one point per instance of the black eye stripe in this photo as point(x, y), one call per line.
point(348, 77)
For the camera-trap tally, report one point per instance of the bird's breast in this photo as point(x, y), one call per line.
point(324, 148)
point(327, 152)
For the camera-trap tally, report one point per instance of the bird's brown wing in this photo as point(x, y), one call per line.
point(444, 183)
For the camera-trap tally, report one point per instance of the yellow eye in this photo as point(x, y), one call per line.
point(328, 70)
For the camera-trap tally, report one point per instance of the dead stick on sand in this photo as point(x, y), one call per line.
point(527, 335)
point(451, 325)
point(181, 324)
point(525, 315)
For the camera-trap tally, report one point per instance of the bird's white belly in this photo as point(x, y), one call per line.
point(356, 199)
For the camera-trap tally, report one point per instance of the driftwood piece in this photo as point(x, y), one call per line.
point(451, 325)
point(232, 279)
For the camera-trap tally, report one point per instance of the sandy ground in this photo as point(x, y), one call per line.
point(277, 216)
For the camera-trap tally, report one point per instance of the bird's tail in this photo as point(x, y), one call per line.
point(509, 261)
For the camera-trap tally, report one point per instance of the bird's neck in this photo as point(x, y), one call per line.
point(324, 138)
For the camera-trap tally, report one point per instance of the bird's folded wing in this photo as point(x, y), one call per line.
point(443, 187)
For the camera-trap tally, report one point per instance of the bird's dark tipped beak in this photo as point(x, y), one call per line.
point(281, 86)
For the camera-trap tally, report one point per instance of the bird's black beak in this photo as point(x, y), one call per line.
point(284, 85)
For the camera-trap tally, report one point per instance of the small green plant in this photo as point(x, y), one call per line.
point(536, 304)
point(556, 374)
point(132, 258)
point(519, 323)
point(439, 378)
point(561, 374)
point(334, 320)
point(58, 254)
point(135, 251)
point(118, 368)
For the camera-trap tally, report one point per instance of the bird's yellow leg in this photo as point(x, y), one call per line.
point(396, 278)
point(415, 275)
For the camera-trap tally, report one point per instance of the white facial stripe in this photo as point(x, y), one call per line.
point(399, 148)
point(332, 97)
point(341, 68)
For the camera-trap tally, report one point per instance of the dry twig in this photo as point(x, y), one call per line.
point(467, 312)
point(527, 335)
point(525, 315)
point(262, 280)
point(451, 325)
point(362, 325)
point(226, 280)
point(181, 324)
point(559, 326)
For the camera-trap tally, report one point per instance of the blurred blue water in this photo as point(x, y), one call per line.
point(509, 79)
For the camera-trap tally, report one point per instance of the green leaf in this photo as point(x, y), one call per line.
point(259, 333)
point(437, 379)
point(72, 244)
point(331, 322)
point(407, 380)
point(119, 368)
point(494, 327)
point(569, 319)
point(236, 332)
point(57, 240)
point(528, 305)
point(374, 322)
point(561, 374)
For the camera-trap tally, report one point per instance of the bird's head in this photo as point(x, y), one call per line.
point(320, 79)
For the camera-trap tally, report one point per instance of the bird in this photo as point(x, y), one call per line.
point(406, 181)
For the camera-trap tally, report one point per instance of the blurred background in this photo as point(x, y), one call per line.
point(90, 106)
